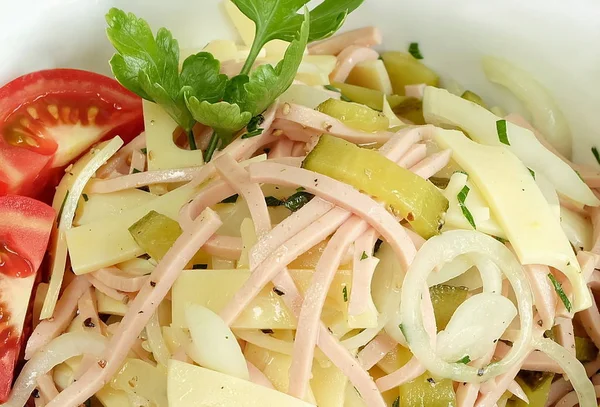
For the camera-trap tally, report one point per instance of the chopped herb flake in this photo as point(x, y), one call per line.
point(414, 50)
point(62, 207)
point(501, 240)
point(85, 197)
point(579, 175)
point(462, 197)
point(200, 266)
point(272, 201)
point(561, 293)
point(231, 199)
point(501, 129)
point(464, 360)
point(596, 154)
point(396, 402)
point(135, 171)
point(253, 133)
point(144, 151)
point(345, 293)
point(532, 172)
point(297, 201)
point(364, 256)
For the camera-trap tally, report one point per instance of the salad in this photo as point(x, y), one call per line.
point(295, 219)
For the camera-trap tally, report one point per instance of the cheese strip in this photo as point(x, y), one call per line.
point(215, 288)
point(519, 207)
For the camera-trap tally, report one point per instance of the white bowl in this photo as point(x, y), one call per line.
point(555, 39)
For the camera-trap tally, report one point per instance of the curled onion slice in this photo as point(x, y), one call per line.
point(56, 352)
point(439, 250)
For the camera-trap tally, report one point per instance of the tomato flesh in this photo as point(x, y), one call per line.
point(25, 227)
point(49, 118)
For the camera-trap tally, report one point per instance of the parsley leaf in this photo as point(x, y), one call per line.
point(464, 360)
point(345, 293)
point(414, 50)
point(364, 256)
point(462, 197)
point(147, 65)
point(596, 154)
point(561, 293)
point(502, 134)
point(279, 19)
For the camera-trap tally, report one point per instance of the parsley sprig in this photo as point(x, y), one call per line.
point(148, 65)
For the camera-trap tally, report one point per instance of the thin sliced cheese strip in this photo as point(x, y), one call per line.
point(519, 207)
point(65, 203)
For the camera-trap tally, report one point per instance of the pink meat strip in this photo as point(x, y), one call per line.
point(106, 290)
point(118, 163)
point(64, 313)
point(290, 226)
point(571, 399)
point(258, 377)
point(590, 319)
point(594, 280)
point(141, 309)
point(376, 350)
point(321, 122)
point(564, 334)
point(283, 281)
point(594, 214)
point(310, 315)
point(588, 262)
point(345, 197)
point(280, 258)
point(225, 247)
point(413, 368)
point(561, 387)
point(431, 165)
point(116, 279)
point(299, 149)
point(415, 91)
point(47, 387)
point(466, 393)
point(589, 175)
point(401, 143)
point(138, 162)
point(142, 179)
point(362, 272)
point(536, 361)
point(366, 37)
point(348, 59)
point(415, 154)
point(282, 148)
point(294, 131)
point(543, 293)
point(87, 309)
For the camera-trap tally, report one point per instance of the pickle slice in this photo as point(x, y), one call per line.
point(355, 115)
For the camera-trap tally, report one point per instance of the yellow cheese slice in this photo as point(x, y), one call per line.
point(215, 288)
point(193, 386)
point(99, 206)
point(519, 207)
point(107, 241)
point(372, 75)
point(162, 151)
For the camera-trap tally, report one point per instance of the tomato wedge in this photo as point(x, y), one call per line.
point(49, 118)
point(25, 227)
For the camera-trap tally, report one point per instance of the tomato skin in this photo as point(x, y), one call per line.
point(49, 118)
point(25, 228)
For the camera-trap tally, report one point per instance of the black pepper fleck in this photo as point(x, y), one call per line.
point(153, 283)
point(480, 372)
point(88, 323)
point(278, 291)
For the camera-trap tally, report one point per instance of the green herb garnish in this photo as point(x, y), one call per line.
point(231, 199)
point(148, 65)
point(345, 293)
point(272, 201)
point(501, 240)
point(462, 197)
point(396, 402)
point(135, 171)
point(561, 293)
point(364, 256)
point(414, 50)
point(464, 360)
point(501, 129)
point(532, 172)
point(62, 207)
point(297, 201)
point(596, 154)
point(144, 150)
point(200, 266)
point(85, 197)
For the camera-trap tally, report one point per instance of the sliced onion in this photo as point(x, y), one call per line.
point(439, 250)
point(572, 368)
point(475, 326)
point(546, 114)
point(491, 276)
point(156, 341)
point(56, 352)
point(215, 346)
